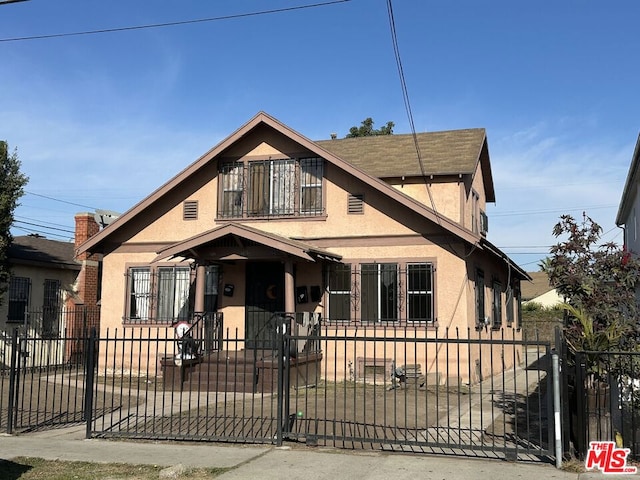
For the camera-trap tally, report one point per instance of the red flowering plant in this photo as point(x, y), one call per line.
point(598, 283)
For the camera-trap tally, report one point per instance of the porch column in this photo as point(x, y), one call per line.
point(289, 293)
point(200, 287)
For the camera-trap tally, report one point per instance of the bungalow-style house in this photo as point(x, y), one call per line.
point(539, 291)
point(48, 286)
point(356, 231)
point(629, 209)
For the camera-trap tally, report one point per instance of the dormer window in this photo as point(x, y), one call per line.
point(267, 188)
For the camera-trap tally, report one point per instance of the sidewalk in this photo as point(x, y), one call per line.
point(268, 462)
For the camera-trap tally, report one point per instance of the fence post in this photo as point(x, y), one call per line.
point(280, 414)
point(582, 415)
point(89, 386)
point(13, 376)
point(556, 409)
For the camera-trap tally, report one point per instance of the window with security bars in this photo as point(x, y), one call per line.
point(497, 305)
point(51, 308)
point(339, 286)
point(232, 188)
point(265, 188)
point(379, 292)
point(173, 284)
point(271, 187)
point(420, 292)
point(19, 293)
point(510, 306)
point(311, 186)
point(159, 296)
point(480, 308)
point(139, 280)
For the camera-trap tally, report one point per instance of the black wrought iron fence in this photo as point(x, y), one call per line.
point(408, 389)
point(606, 400)
point(380, 388)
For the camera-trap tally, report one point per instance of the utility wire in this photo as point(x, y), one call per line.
point(61, 201)
point(173, 24)
point(44, 226)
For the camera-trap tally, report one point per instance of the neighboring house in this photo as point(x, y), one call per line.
point(270, 221)
point(539, 291)
point(43, 273)
point(48, 285)
point(629, 208)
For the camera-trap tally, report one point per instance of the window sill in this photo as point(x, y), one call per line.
point(268, 218)
point(400, 324)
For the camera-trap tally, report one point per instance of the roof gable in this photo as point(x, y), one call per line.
point(243, 232)
point(228, 147)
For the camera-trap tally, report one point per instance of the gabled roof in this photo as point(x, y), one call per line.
point(42, 252)
point(538, 285)
point(94, 243)
point(243, 232)
point(453, 152)
point(630, 187)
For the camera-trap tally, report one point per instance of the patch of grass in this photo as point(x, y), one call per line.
point(573, 465)
point(28, 468)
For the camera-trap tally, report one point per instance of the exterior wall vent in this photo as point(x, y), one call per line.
point(190, 210)
point(356, 203)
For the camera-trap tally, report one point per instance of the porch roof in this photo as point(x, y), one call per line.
point(201, 245)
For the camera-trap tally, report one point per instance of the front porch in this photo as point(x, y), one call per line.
point(248, 365)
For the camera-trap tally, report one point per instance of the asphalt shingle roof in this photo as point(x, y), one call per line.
point(443, 153)
point(38, 250)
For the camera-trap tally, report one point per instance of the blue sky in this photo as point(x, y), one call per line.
point(102, 120)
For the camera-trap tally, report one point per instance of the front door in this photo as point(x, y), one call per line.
point(264, 297)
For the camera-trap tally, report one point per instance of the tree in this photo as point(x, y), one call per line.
point(598, 282)
point(366, 129)
point(12, 182)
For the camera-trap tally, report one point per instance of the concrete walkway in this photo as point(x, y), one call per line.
point(268, 462)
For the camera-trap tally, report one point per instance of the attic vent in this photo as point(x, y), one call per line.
point(356, 203)
point(190, 210)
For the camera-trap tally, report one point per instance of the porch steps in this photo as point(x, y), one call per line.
point(237, 371)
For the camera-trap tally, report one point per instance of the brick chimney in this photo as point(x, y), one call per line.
point(87, 283)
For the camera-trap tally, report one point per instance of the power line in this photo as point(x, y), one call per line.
point(19, 217)
point(539, 212)
point(173, 24)
point(44, 226)
point(33, 230)
point(61, 201)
